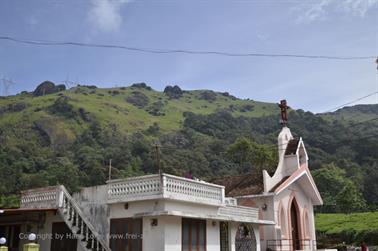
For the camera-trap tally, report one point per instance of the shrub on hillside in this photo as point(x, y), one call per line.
point(208, 95)
point(156, 108)
point(142, 86)
point(62, 107)
point(138, 99)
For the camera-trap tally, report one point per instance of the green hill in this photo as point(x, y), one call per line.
point(68, 136)
point(130, 108)
point(353, 114)
point(333, 229)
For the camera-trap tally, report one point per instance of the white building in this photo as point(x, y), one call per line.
point(149, 213)
point(287, 197)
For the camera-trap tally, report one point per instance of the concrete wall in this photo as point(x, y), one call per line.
point(212, 235)
point(166, 236)
point(92, 201)
point(153, 236)
point(267, 232)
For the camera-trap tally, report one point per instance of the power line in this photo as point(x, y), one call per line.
point(179, 51)
point(351, 102)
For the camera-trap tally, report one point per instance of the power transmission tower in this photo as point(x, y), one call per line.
point(7, 83)
point(69, 83)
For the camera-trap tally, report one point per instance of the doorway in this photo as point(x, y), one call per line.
point(245, 238)
point(63, 239)
point(295, 227)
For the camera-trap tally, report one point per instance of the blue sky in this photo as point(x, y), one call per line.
point(323, 27)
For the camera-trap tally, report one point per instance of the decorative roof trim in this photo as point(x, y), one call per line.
point(303, 170)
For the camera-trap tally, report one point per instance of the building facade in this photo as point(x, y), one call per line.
point(149, 213)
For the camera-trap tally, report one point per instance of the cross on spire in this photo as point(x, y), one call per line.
point(284, 107)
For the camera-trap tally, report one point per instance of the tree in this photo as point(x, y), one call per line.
point(64, 172)
point(246, 151)
point(339, 192)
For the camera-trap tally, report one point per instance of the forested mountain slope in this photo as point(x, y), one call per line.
point(69, 136)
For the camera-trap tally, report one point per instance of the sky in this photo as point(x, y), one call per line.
point(322, 27)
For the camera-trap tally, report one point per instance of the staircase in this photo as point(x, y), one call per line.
point(75, 219)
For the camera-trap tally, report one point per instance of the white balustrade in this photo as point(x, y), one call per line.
point(192, 190)
point(40, 198)
point(164, 186)
point(134, 188)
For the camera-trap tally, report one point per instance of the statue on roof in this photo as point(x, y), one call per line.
point(284, 108)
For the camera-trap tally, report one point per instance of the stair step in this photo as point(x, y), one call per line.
point(75, 229)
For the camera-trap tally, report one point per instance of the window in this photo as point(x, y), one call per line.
point(126, 234)
point(193, 235)
point(224, 243)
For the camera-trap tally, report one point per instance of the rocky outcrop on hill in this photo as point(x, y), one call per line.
point(173, 92)
point(48, 87)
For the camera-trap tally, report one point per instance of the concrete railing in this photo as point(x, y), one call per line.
point(164, 186)
point(45, 197)
point(134, 188)
point(239, 211)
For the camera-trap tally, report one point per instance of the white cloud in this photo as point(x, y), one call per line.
point(358, 7)
point(105, 15)
point(321, 10)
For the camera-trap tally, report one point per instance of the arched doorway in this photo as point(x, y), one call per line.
point(295, 225)
point(245, 239)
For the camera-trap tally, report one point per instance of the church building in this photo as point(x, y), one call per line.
point(286, 197)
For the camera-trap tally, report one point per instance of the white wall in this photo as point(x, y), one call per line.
point(212, 235)
point(153, 236)
point(172, 233)
point(166, 236)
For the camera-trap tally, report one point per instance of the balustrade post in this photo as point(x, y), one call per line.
point(92, 242)
point(223, 196)
point(59, 197)
point(163, 184)
point(76, 219)
point(82, 227)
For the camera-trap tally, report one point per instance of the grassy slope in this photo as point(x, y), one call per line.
point(338, 230)
point(108, 108)
point(337, 223)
